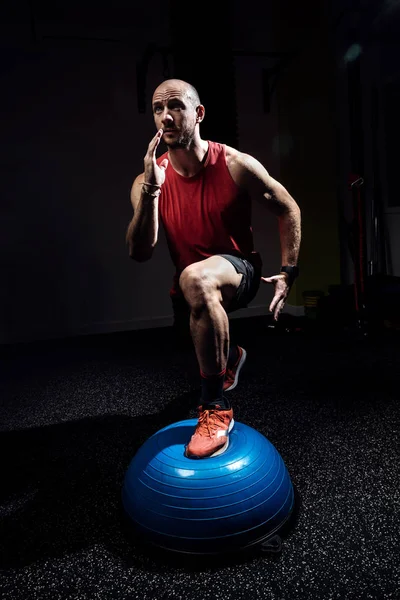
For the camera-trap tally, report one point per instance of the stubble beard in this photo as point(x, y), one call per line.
point(184, 141)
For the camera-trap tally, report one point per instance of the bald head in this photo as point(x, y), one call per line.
point(176, 87)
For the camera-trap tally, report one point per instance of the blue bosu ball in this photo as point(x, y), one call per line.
point(221, 504)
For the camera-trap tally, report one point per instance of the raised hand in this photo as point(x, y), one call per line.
point(154, 174)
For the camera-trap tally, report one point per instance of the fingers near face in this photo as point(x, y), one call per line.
point(158, 137)
point(155, 142)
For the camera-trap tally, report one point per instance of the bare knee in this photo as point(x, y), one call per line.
point(198, 288)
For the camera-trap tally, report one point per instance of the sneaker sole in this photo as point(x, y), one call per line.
point(240, 365)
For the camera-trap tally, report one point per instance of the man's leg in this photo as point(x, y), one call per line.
point(209, 287)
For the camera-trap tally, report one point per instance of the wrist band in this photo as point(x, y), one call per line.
point(155, 193)
point(291, 271)
point(151, 184)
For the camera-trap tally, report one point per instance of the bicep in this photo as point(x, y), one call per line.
point(263, 187)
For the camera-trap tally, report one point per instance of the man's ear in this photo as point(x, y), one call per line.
point(200, 110)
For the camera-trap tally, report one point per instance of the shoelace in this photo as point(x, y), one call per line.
point(206, 423)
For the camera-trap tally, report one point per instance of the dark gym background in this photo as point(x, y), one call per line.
point(91, 362)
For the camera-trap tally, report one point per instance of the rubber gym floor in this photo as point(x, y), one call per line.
point(73, 413)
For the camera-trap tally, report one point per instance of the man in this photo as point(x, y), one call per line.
point(201, 190)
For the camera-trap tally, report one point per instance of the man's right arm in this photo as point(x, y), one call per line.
point(142, 232)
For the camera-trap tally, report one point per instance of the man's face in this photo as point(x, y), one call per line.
point(175, 114)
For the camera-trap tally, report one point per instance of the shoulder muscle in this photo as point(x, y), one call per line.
point(251, 175)
point(245, 169)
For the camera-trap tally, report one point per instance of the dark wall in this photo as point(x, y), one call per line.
point(76, 124)
point(203, 55)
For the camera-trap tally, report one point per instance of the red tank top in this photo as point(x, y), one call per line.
point(205, 214)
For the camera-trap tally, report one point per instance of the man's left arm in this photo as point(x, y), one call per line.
point(289, 222)
point(283, 205)
point(279, 201)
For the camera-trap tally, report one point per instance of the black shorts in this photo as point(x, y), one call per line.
point(245, 293)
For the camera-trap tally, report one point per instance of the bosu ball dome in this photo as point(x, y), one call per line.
point(231, 502)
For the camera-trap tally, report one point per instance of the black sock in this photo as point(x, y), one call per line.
point(233, 354)
point(223, 403)
point(212, 389)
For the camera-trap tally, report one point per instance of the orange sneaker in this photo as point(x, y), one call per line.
point(211, 436)
point(232, 372)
